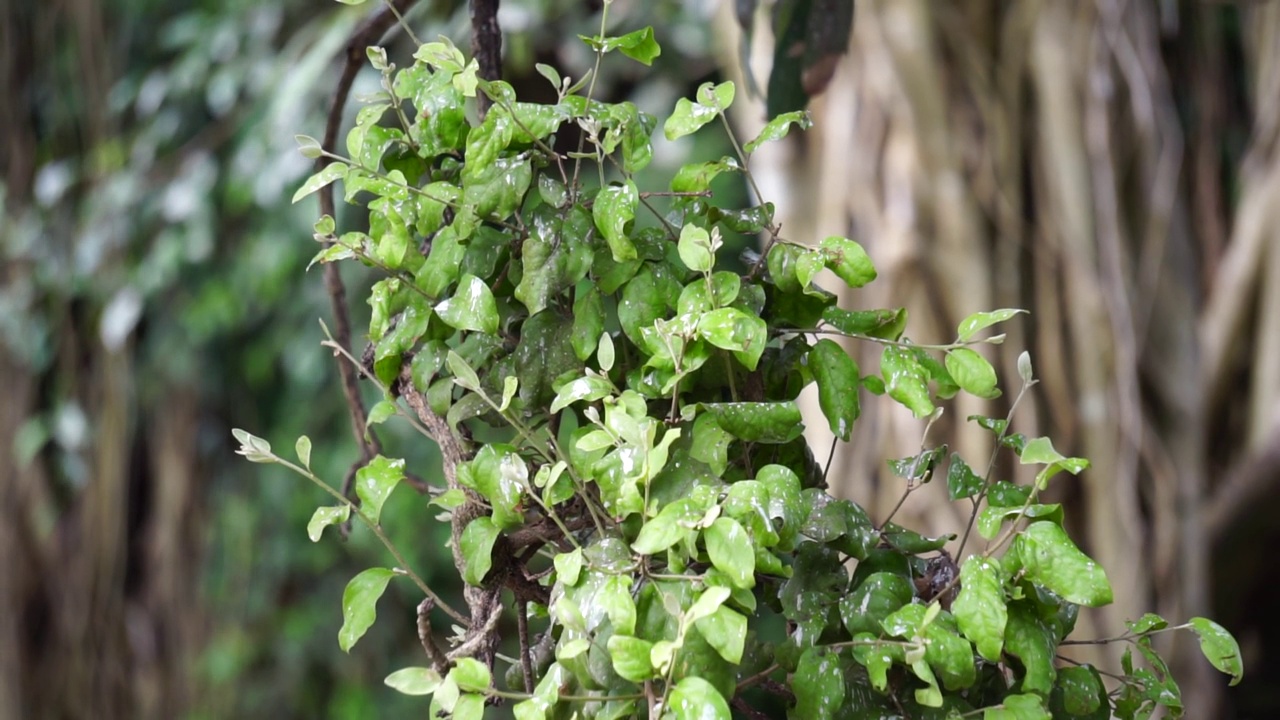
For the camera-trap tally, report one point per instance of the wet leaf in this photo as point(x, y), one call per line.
point(477, 542)
point(818, 684)
point(358, 605)
point(325, 516)
point(906, 381)
point(976, 322)
point(1219, 647)
point(731, 551)
point(374, 483)
point(614, 207)
point(1051, 559)
point(837, 376)
point(472, 307)
point(777, 128)
point(972, 372)
point(848, 261)
point(696, 699)
point(980, 606)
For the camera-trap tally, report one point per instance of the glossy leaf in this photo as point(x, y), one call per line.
point(877, 597)
point(887, 324)
point(689, 116)
point(1219, 647)
point(414, 680)
point(1079, 694)
point(472, 307)
point(847, 260)
point(1051, 559)
point(614, 208)
point(818, 683)
point(906, 381)
point(374, 483)
point(976, 322)
point(500, 476)
point(1034, 644)
point(332, 171)
point(731, 551)
point(358, 604)
point(630, 657)
point(1018, 707)
point(726, 631)
point(962, 481)
point(696, 699)
point(471, 675)
point(476, 543)
point(980, 606)
point(778, 127)
point(972, 372)
point(769, 422)
point(837, 376)
point(696, 249)
point(588, 322)
point(325, 516)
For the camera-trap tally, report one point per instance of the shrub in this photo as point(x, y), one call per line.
point(644, 492)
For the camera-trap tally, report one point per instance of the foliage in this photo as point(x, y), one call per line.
point(643, 489)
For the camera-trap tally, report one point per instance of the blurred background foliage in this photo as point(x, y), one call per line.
point(1109, 164)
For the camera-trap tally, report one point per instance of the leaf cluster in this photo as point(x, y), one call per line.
point(647, 496)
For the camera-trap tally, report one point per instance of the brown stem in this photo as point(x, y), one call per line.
point(486, 44)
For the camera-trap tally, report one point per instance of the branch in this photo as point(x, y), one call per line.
point(486, 44)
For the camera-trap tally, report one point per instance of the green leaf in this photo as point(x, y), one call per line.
point(972, 372)
point(380, 413)
point(906, 381)
point(414, 680)
point(877, 597)
point(764, 422)
point(639, 45)
point(358, 601)
point(886, 324)
point(950, 655)
point(500, 475)
point(726, 631)
point(554, 256)
point(980, 607)
point(477, 542)
point(462, 373)
point(658, 534)
point(962, 481)
point(696, 699)
point(837, 376)
point(1018, 707)
point(325, 516)
point(630, 657)
point(731, 329)
point(818, 683)
point(471, 675)
point(1219, 647)
point(374, 483)
point(777, 128)
point(1051, 559)
point(1079, 694)
point(1027, 638)
point(688, 116)
point(569, 566)
point(695, 248)
point(642, 302)
point(588, 321)
point(993, 516)
point(309, 147)
point(614, 598)
point(332, 171)
point(710, 443)
point(976, 322)
point(614, 207)
point(589, 388)
point(697, 177)
point(848, 260)
point(731, 551)
point(303, 448)
point(472, 307)
point(605, 356)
